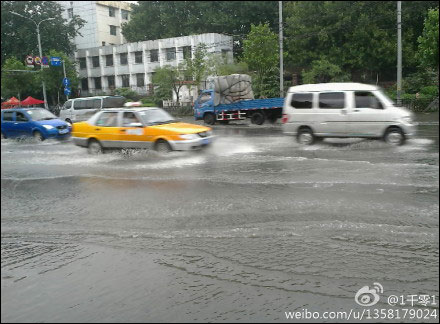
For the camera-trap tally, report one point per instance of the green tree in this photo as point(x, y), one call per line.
point(53, 77)
point(197, 67)
point(428, 41)
point(198, 17)
point(324, 71)
point(19, 36)
point(261, 54)
point(357, 36)
point(16, 83)
point(168, 79)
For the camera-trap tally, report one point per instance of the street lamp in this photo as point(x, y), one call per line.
point(39, 48)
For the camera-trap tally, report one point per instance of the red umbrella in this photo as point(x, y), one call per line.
point(11, 103)
point(29, 101)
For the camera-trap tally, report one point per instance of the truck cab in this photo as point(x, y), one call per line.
point(204, 105)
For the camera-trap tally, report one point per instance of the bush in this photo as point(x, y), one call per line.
point(127, 93)
point(431, 91)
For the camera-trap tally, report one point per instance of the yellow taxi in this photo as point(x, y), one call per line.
point(139, 128)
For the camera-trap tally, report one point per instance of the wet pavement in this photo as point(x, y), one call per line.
point(247, 230)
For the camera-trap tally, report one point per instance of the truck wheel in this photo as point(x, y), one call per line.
point(272, 119)
point(258, 118)
point(224, 122)
point(305, 136)
point(209, 119)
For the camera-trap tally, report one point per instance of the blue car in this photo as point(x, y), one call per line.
point(33, 122)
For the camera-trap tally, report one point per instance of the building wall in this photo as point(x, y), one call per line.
point(216, 43)
point(96, 30)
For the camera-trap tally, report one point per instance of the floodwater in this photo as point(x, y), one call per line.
point(245, 231)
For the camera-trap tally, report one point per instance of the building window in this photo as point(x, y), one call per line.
point(140, 79)
point(84, 84)
point(112, 30)
point(187, 52)
point(103, 43)
point(125, 80)
point(137, 57)
point(82, 63)
point(123, 59)
point(171, 54)
point(109, 60)
point(154, 56)
point(70, 12)
point(111, 12)
point(95, 61)
point(98, 83)
point(111, 81)
point(124, 14)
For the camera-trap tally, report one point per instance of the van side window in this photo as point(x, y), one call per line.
point(79, 104)
point(366, 99)
point(302, 100)
point(96, 103)
point(7, 115)
point(113, 102)
point(332, 100)
point(67, 105)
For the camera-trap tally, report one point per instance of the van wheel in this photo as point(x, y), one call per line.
point(38, 136)
point(394, 136)
point(258, 118)
point(94, 147)
point(209, 119)
point(162, 146)
point(69, 121)
point(305, 136)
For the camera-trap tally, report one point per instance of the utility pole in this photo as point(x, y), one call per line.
point(399, 52)
point(280, 5)
point(40, 51)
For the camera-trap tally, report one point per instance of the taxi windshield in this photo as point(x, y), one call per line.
point(156, 116)
point(41, 114)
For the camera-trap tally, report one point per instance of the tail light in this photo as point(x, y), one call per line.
point(285, 118)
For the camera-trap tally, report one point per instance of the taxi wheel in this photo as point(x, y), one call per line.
point(162, 146)
point(38, 136)
point(94, 147)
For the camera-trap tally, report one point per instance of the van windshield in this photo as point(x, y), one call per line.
point(384, 98)
point(156, 116)
point(41, 114)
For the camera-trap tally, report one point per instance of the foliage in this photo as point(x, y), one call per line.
point(197, 67)
point(324, 71)
point(53, 77)
point(197, 17)
point(19, 36)
point(428, 41)
point(260, 53)
point(357, 36)
point(148, 102)
point(127, 93)
point(18, 84)
point(168, 79)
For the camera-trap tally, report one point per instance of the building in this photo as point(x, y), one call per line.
point(103, 21)
point(105, 68)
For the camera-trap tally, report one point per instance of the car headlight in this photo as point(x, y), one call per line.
point(188, 136)
point(48, 127)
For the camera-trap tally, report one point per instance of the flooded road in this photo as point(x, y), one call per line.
point(247, 230)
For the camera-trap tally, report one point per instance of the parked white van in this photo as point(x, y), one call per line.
point(81, 109)
point(312, 112)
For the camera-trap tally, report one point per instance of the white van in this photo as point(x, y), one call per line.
point(81, 109)
point(312, 112)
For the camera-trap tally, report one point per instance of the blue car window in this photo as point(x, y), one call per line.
point(7, 116)
point(20, 117)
